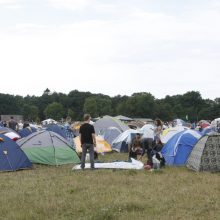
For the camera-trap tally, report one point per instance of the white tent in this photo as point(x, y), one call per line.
point(49, 121)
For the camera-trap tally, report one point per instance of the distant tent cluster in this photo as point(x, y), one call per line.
point(50, 146)
point(54, 144)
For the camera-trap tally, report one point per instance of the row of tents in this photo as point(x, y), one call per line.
point(43, 147)
point(51, 145)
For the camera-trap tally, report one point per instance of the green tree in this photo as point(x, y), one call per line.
point(30, 112)
point(141, 105)
point(90, 106)
point(192, 103)
point(104, 106)
point(54, 110)
point(71, 114)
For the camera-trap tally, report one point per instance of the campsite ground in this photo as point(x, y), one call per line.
point(59, 193)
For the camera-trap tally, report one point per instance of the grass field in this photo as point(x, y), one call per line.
point(59, 193)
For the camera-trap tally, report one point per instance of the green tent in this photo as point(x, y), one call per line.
point(47, 147)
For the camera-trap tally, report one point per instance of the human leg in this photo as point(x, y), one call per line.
point(91, 155)
point(83, 158)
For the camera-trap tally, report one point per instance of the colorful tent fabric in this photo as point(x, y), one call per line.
point(10, 133)
point(203, 124)
point(104, 123)
point(47, 147)
point(176, 151)
point(205, 156)
point(27, 131)
point(102, 146)
point(12, 158)
point(168, 133)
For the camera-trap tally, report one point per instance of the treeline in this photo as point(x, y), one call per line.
point(189, 106)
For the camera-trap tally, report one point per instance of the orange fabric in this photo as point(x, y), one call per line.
point(102, 146)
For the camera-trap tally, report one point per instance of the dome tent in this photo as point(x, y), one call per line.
point(12, 158)
point(110, 134)
point(67, 134)
point(120, 144)
point(205, 156)
point(13, 135)
point(102, 146)
point(27, 131)
point(104, 123)
point(47, 147)
point(177, 150)
point(168, 133)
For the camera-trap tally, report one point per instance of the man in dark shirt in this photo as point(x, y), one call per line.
point(88, 141)
point(13, 124)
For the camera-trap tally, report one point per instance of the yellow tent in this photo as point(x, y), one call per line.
point(102, 146)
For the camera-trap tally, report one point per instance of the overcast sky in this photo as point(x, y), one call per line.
point(165, 47)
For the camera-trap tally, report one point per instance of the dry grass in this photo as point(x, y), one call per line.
point(59, 193)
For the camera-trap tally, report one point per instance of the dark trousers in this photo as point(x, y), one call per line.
point(147, 145)
point(85, 147)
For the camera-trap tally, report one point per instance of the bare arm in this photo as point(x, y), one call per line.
point(80, 139)
point(94, 139)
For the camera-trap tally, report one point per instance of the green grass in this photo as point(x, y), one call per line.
point(58, 193)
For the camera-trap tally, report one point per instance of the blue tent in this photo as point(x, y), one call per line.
point(207, 130)
point(57, 129)
point(12, 158)
point(176, 151)
point(27, 131)
point(63, 132)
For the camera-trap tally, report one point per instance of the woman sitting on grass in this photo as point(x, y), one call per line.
point(135, 147)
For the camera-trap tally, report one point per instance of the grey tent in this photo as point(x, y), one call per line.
point(47, 147)
point(205, 156)
point(110, 134)
point(104, 123)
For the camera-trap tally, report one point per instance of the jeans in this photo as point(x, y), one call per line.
point(147, 144)
point(85, 147)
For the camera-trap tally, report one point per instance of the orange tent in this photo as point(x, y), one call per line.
point(102, 146)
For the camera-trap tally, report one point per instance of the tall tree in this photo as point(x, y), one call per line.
point(90, 107)
point(55, 111)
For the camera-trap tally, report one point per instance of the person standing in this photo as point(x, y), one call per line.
point(13, 124)
point(158, 130)
point(88, 141)
point(69, 131)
